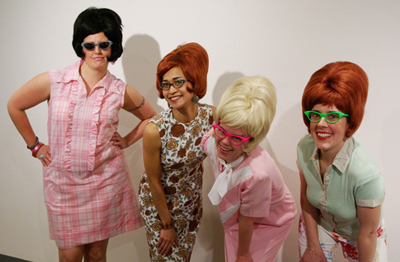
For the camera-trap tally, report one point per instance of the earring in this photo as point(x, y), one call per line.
point(195, 99)
point(169, 106)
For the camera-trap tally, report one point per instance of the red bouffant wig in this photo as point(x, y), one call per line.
point(342, 84)
point(192, 58)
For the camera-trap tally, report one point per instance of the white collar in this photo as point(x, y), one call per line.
point(223, 181)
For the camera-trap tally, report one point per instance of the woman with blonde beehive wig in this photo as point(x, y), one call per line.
point(257, 209)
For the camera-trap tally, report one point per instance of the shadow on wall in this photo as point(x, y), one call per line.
point(140, 59)
point(210, 239)
point(283, 132)
point(223, 82)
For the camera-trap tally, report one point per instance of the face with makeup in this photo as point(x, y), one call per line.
point(96, 58)
point(329, 138)
point(177, 97)
point(230, 142)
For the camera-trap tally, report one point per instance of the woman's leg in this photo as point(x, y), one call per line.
point(96, 252)
point(74, 254)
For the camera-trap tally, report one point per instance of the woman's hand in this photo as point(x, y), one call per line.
point(118, 140)
point(44, 155)
point(167, 238)
point(310, 214)
point(316, 255)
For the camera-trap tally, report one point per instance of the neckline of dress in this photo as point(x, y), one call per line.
point(188, 123)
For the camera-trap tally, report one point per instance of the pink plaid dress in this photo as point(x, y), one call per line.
point(88, 192)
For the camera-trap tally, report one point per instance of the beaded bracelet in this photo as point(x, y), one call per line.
point(36, 149)
point(32, 147)
point(167, 225)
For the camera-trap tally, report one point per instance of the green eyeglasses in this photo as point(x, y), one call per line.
point(331, 117)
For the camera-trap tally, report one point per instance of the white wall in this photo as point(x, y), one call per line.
point(285, 41)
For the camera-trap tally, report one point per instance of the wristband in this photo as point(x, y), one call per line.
point(167, 225)
point(312, 249)
point(32, 147)
point(36, 148)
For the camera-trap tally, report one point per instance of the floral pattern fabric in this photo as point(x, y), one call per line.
point(181, 178)
point(329, 243)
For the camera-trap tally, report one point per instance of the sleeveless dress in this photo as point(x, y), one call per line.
point(88, 192)
point(181, 178)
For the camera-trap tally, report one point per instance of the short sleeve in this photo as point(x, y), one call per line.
point(305, 149)
point(369, 190)
point(256, 196)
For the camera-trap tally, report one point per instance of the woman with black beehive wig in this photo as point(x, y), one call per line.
point(88, 192)
point(98, 20)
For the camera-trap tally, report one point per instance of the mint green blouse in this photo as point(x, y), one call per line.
point(353, 179)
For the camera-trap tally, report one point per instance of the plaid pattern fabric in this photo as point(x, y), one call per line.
point(88, 192)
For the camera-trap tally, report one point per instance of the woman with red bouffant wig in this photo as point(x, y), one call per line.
point(170, 190)
point(194, 67)
point(342, 188)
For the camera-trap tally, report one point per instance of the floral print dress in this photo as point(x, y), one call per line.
point(181, 178)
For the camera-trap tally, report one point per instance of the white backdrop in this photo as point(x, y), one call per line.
point(286, 41)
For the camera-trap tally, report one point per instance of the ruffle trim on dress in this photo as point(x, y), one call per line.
point(69, 129)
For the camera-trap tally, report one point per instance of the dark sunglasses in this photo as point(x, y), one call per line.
point(91, 46)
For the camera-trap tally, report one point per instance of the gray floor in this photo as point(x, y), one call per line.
point(4, 258)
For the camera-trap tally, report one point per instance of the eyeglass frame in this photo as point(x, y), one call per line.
point(173, 84)
point(307, 113)
point(244, 139)
point(98, 44)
